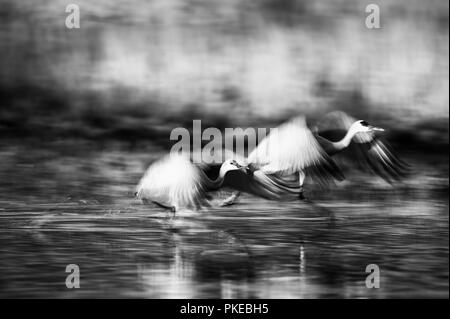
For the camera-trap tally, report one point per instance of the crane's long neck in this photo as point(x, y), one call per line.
point(345, 142)
point(217, 183)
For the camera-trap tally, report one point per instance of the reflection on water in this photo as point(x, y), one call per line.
point(60, 207)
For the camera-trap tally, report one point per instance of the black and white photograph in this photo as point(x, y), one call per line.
point(224, 150)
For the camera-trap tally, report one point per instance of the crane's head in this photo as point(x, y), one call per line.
point(231, 165)
point(364, 126)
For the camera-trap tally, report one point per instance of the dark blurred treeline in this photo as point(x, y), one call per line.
point(137, 69)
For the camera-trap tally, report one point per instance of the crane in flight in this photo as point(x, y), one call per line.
point(276, 167)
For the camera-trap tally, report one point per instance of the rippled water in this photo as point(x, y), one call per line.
point(63, 205)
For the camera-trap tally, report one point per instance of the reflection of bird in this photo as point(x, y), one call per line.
point(277, 166)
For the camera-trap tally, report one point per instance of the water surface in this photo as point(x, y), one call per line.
point(63, 205)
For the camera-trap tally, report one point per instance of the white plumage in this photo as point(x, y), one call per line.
point(288, 149)
point(172, 181)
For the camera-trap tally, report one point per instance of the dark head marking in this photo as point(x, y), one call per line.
point(364, 123)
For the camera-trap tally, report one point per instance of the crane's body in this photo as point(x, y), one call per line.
point(175, 182)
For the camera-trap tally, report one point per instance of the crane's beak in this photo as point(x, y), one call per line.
point(379, 129)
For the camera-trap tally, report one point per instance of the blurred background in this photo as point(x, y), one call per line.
point(84, 111)
point(137, 67)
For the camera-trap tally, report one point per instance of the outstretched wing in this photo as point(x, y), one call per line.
point(172, 181)
point(260, 184)
point(291, 148)
point(244, 180)
point(371, 152)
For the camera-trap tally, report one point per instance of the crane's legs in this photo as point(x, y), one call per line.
point(230, 199)
point(301, 179)
point(173, 209)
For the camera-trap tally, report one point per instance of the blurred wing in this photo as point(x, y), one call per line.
point(337, 124)
point(172, 181)
point(370, 151)
point(248, 181)
point(256, 183)
point(260, 184)
point(291, 148)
